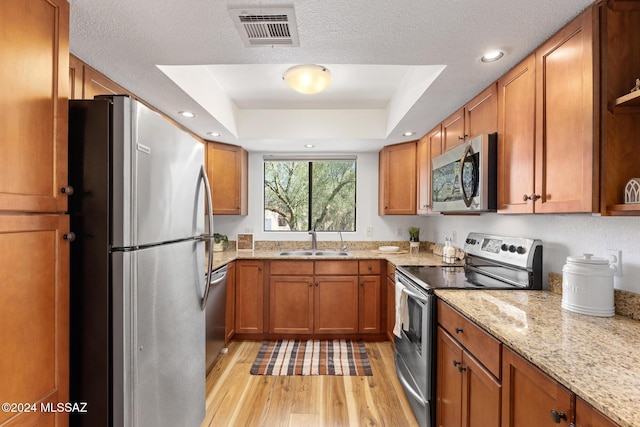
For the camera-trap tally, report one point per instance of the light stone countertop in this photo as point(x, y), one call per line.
point(597, 358)
point(424, 257)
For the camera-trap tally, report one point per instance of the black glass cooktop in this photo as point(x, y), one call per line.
point(439, 277)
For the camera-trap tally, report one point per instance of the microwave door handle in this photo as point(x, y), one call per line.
point(468, 152)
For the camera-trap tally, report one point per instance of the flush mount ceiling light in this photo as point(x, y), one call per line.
point(188, 114)
point(308, 79)
point(492, 55)
point(408, 133)
point(213, 134)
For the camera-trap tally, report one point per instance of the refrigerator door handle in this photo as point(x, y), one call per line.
point(205, 179)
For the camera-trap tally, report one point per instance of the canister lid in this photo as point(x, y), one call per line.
point(588, 259)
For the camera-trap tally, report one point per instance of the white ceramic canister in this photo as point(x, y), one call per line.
point(587, 286)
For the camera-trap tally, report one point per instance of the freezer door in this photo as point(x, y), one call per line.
point(161, 195)
point(167, 336)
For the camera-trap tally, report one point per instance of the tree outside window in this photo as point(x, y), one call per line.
point(310, 195)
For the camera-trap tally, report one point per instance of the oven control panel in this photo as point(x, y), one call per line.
point(516, 251)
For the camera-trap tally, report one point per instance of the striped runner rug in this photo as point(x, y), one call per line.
point(312, 357)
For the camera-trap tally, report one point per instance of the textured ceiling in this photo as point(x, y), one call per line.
point(127, 41)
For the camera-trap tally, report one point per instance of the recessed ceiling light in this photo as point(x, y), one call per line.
point(213, 134)
point(308, 145)
point(492, 55)
point(188, 114)
point(408, 133)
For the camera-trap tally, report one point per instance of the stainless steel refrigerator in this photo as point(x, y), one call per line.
point(138, 284)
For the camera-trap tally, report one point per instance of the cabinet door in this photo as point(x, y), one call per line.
point(96, 83)
point(76, 78)
point(481, 113)
point(480, 395)
point(565, 172)
point(449, 381)
point(369, 305)
point(530, 396)
point(291, 304)
point(588, 416)
point(391, 307)
point(34, 296)
point(230, 318)
point(516, 100)
point(35, 87)
point(336, 305)
point(227, 167)
point(397, 179)
point(429, 147)
point(249, 297)
point(453, 130)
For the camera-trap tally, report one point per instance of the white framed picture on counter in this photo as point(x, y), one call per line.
point(244, 242)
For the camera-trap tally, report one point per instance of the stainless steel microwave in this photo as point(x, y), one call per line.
point(465, 178)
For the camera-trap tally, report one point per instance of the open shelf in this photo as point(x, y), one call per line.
point(629, 103)
point(629, 209)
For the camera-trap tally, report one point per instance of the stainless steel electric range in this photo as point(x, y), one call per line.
point(492, 262)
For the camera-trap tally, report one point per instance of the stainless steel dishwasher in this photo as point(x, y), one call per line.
point(215, 314)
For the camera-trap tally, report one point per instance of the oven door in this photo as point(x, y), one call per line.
point(414, 352)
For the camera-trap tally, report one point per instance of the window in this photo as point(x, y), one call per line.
point(302, 195)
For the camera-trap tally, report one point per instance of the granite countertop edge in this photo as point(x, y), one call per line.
point(594, 357)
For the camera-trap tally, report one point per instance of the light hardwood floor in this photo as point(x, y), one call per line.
point(237, 398)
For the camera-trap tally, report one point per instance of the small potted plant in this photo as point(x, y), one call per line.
point(220, 242)
point(414, 240)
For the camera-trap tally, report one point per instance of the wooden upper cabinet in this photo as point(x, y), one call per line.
point(476, 117)
point(35, 87)
point(76, 78)
point(227, 167)
point(566, 173)
point(397, 179)
point(429, 146)
point(86, 83)
point(516, 148)
point(34, 266)
point(453, 130)
point(481, 113)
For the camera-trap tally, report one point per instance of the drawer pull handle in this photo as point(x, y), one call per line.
point(458, 330)
point(558, 416)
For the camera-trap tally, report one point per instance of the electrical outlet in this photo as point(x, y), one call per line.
point(398, 231)
point(615, 260)
point(454, 237)
point(369, 231)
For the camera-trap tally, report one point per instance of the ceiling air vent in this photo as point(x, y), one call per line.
point(266, 26)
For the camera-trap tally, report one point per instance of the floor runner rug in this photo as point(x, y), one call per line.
point(312, 357)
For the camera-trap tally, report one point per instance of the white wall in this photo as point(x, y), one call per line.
point(561, 235)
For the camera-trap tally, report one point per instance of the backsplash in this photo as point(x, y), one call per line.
point(626, 303)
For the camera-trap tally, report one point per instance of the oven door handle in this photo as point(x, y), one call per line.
point(414, 295)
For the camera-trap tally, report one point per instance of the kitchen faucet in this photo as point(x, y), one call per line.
point(314, 240)
point(343, 247)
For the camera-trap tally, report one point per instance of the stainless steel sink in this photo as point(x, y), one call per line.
point(320, 252)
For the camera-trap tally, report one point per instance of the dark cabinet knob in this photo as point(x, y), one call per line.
point(69, 236)
point(459, 330)
point(532, 197)
point(68, 190)
point(456, 363)
point(558, 416)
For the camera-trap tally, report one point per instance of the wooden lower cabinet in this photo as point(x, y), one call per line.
point(230, 313)
point(467, 394)
point(369, 305)
point(530, 398)
point(34, 296)
point(588, 416)
point(336, 305)
point(249, 297)
point(291, 304)
point(391, 300)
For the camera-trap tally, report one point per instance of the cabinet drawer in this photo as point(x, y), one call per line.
point(337, 267)
point(369, 266)
point(291, 267)
point(483, 346)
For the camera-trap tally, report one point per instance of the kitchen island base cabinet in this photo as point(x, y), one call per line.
point(530, 398)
